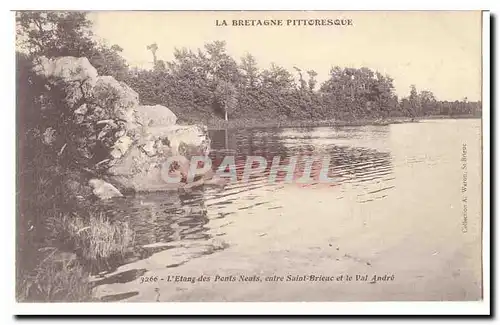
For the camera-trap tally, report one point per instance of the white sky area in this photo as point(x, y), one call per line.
point(435, 50)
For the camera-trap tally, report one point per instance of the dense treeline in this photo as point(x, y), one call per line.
point(208, 82)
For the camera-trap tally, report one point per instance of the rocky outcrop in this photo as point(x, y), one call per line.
point(104, 190)
point(76, 77)
point(141, 167)
point(124, 143)
point(156, 115)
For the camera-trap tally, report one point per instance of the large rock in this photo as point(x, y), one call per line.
point(140, 169)
point(76, 77)
point(66, 69)
point(183, 140)
point(157, 115)
point(127, 142)
point(104, 190)
point(117, 97)
point(119, 102)
point(121, 147)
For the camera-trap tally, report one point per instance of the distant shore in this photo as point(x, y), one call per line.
point(218, 124)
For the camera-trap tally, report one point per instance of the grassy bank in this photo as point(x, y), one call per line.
point(62, 235)
point(444, 117)
point(217, 124)
point(59, 267)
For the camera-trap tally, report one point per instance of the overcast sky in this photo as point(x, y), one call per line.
point(437, 51)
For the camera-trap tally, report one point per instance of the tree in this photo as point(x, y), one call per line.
point(226, 97)
point(250, 71)
point(302, 82)
point(414, 101)
point(54, 33)
point(220, 65)
point(160, 65)
point(359, 92)
point(153, 48)
point(109, 62)
point(278, 78)
point(427, 101)
point(312, 79)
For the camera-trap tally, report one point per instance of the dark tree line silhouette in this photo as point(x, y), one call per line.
point(207, 83)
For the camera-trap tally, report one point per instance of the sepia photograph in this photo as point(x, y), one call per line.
point(249, 156)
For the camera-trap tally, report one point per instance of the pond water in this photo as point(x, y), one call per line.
point(396, 208)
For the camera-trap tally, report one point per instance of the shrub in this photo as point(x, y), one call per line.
point(94, 239)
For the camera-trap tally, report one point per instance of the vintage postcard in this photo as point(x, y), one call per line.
point(249, 156)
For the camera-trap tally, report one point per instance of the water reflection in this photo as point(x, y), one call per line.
point(164, 217)
point(193, 224)
point(395, 205)
point(353, 160)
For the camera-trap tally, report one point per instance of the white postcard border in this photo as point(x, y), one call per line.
point(320, 308)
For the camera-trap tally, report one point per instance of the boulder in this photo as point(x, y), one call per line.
point(76, 77)
point(127, 143)
point(184, 140)
point(103, 190)
point(121, 146)
point(157, 115)
point(115, 95)
point(67, 69)
point(141, 168)
point(118, 100)
point(98, 105)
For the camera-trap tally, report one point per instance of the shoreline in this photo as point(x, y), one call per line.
point(217, 124)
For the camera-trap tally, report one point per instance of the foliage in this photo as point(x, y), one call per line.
point(225, 97)
point(67, 33)
point(424, 103)
point(95, 239)
point(49, 175)
point(196, 85)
